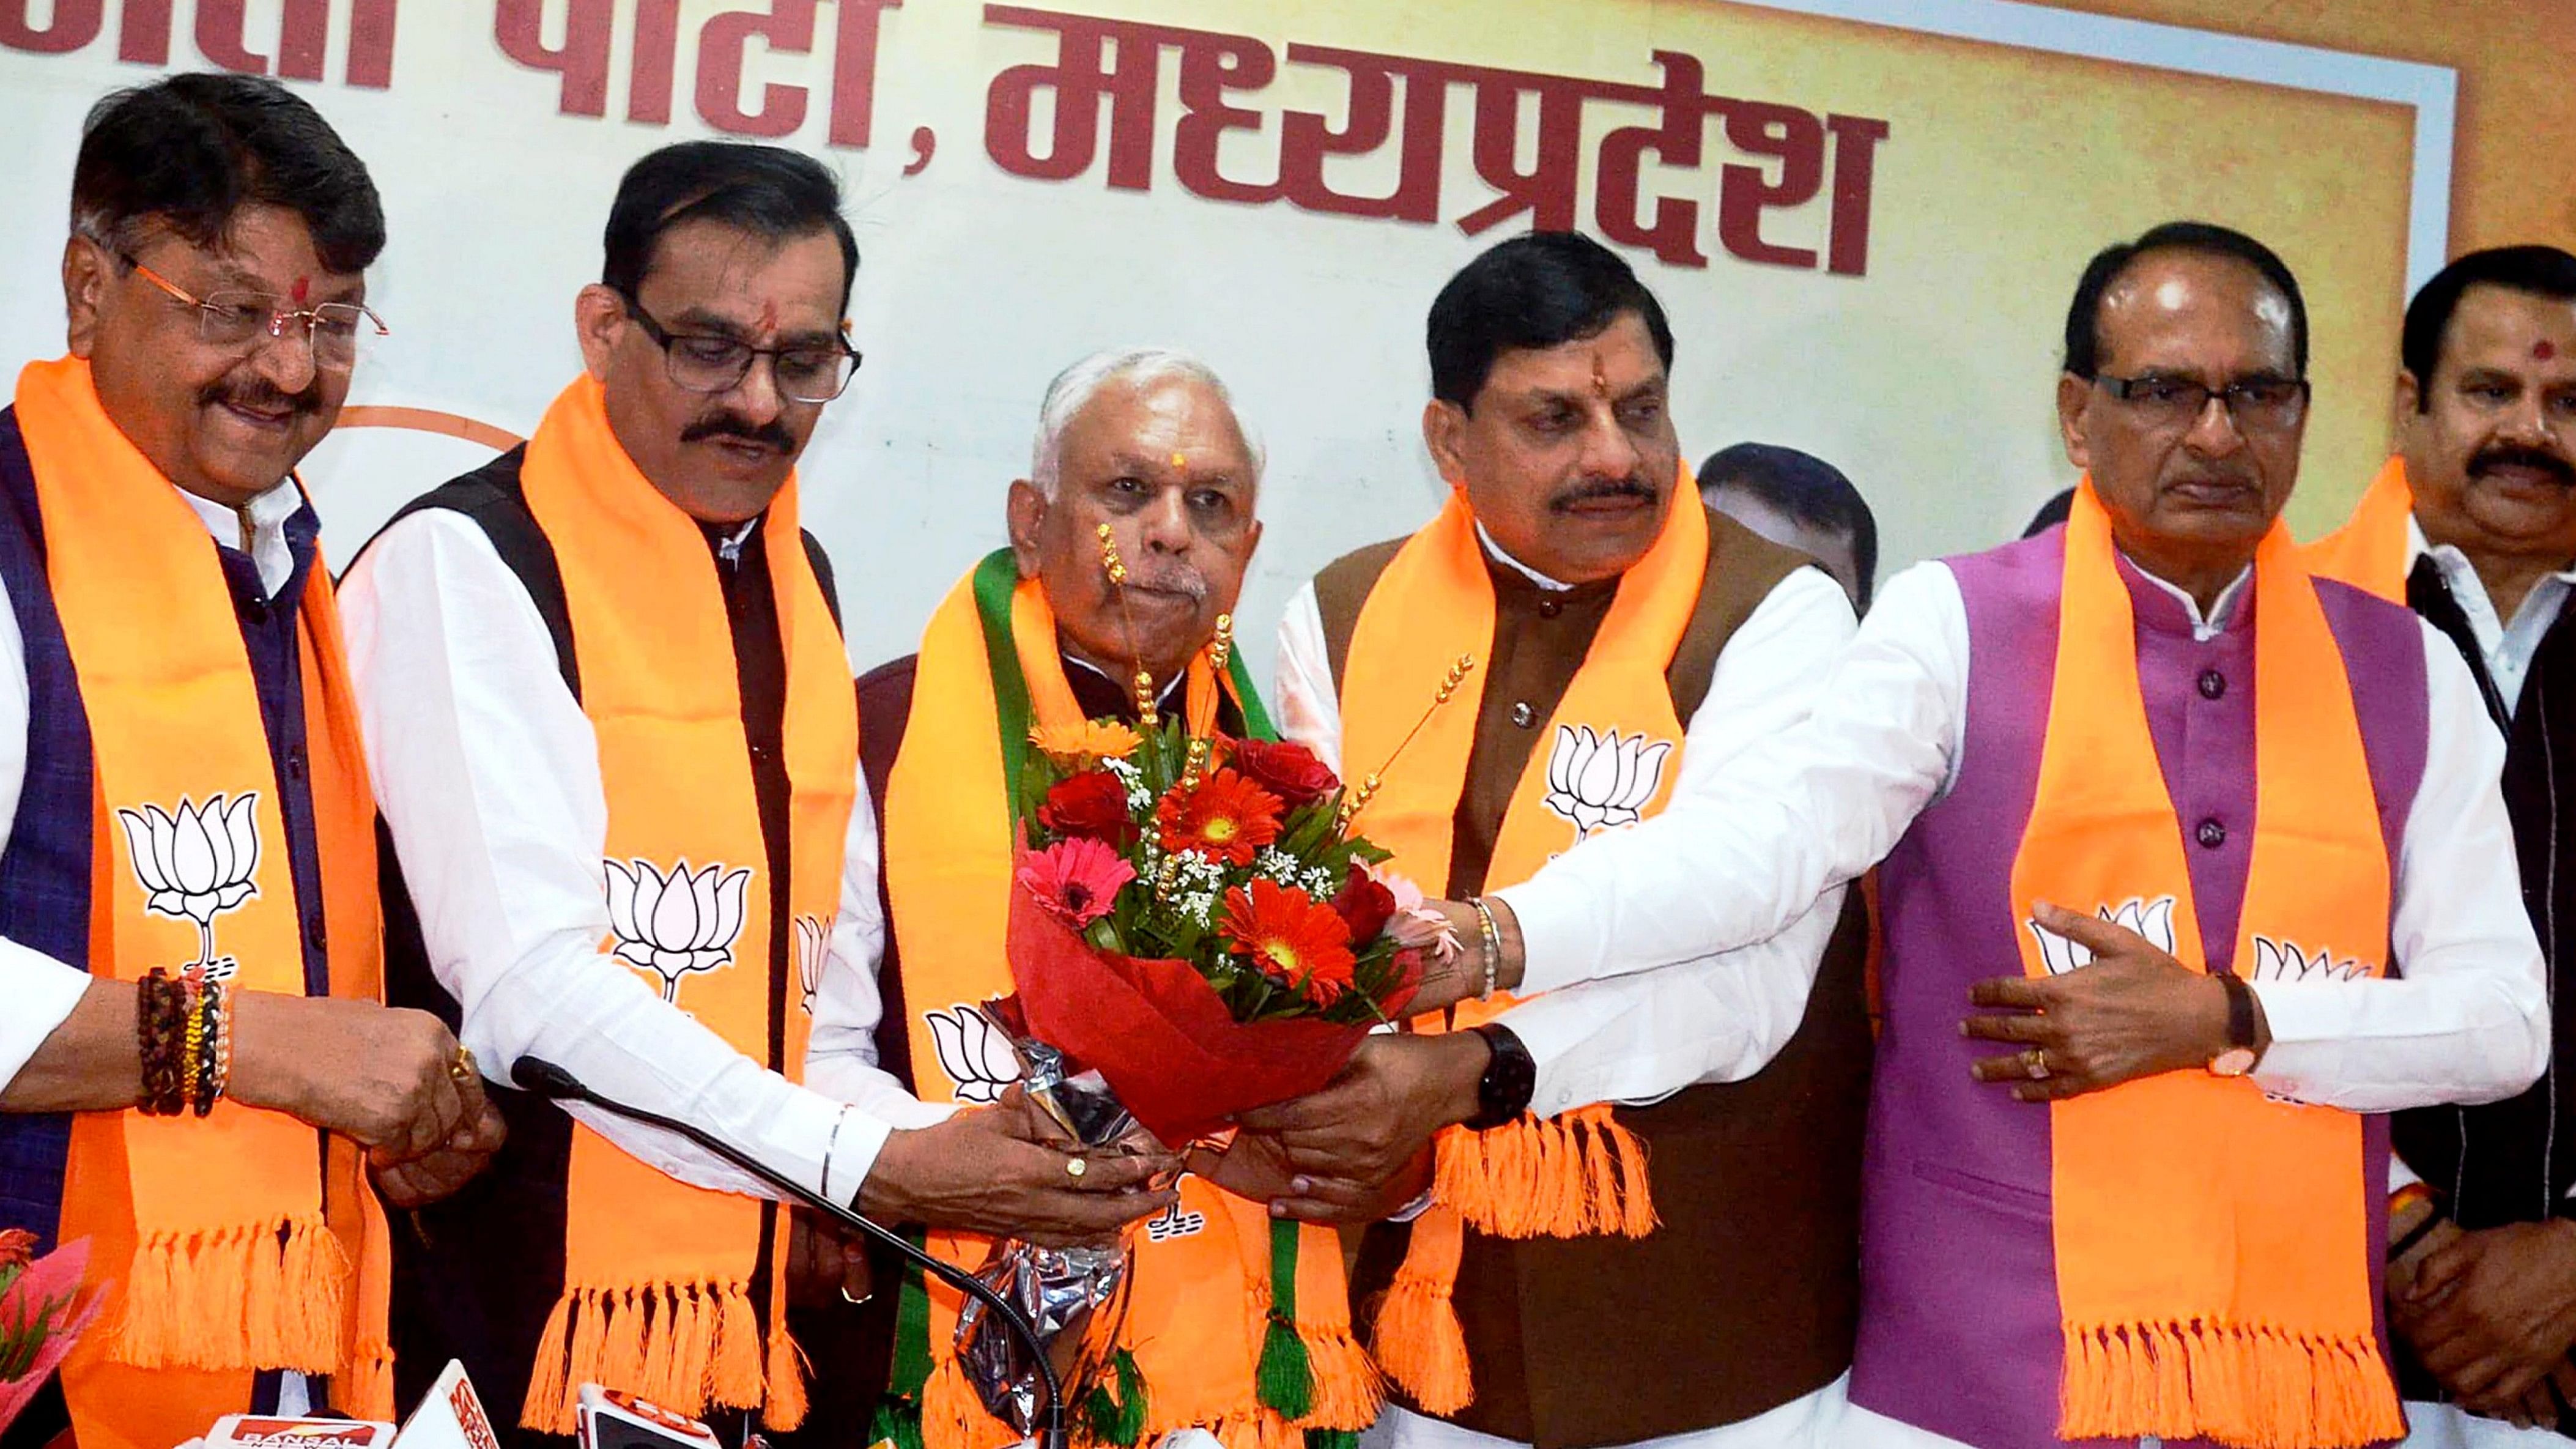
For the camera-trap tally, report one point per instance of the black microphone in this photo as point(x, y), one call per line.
point(545, 1079)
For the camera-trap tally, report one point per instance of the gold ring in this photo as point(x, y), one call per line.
point(1075, 1167)
point(461, 1070)
point(2034, 1060)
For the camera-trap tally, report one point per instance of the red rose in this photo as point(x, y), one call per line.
point(1365, 906)
point(1285, 769)
point(1093, 804)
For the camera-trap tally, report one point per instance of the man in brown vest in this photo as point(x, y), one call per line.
point(1605, 643)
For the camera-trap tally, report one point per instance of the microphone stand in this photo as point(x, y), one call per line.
point(545, 1079)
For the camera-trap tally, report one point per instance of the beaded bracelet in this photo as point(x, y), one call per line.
point(192, 1039)
point(218, 1070)
point(160, 1015)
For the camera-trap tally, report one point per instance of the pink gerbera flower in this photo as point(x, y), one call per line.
point(1077, 878)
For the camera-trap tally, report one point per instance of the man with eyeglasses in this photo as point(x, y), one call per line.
point(611, 718)
point(2125, 1162)
point(197, 1074)
point(2473, 524)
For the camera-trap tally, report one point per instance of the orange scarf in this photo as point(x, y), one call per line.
point(1223, 1308)
point(1610, 753)
point(2213, 1253)
point(2369, 551)
point(658, 1274)
point(231, 1238)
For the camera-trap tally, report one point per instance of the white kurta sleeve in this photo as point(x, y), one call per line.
point(1309, 703)
point(487, 773)
point(1749, 843)
point(2467, 1018)
point(841, 1056)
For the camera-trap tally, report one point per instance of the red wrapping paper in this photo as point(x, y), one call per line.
point(1159, 1033)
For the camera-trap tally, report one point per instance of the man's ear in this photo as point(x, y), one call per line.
point(2409, 404)
point(87, 275)
point(1025, 515)
point(598, 317)
point(1444, 432)
point(2074, 398)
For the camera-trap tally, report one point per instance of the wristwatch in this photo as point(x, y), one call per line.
point(2239, 1057)
point(1503, 1092)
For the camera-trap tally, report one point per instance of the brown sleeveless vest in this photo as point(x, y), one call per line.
point(1747, 1296)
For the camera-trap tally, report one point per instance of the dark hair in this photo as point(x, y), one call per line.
point(2055, 511)
point(1805, 487)
point(2538, 270)
point(768, 191)
point(1540, 290)
point(2084, 314)
point(190, 151)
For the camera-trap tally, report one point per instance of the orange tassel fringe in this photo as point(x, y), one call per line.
point(2249, 1387)
point(1417, 1340)
point(688, 1346)
point(267, 1295)
point(1568, 1176)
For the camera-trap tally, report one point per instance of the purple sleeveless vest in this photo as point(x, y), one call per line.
point(1959, 1323)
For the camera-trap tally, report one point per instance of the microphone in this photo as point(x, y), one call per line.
point(545, 1079)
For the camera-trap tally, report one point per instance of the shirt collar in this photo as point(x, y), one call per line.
point(267, 511)
point(2451, 561)
point(2215, 622)
point(1495, 551)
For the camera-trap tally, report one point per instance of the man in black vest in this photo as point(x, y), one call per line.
point(2482, 1291)
point(712, 344)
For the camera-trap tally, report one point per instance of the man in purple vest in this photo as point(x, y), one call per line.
point(2184, 396)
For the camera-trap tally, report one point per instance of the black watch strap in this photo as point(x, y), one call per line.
point(2240, 1010)
point(1503, 1092)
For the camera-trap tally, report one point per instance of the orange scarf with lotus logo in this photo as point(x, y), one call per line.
point(1611, 747)
point(1212, 1287)
point(2212, 1246)
point(658, 1291)
point(235, 1244)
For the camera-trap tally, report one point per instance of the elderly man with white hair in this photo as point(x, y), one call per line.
point(609, 715)
point(1139, 455)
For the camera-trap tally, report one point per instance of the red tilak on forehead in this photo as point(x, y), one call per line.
point(768, 317)
point(2543, 350)
point(303, 289)
point(1600, 377)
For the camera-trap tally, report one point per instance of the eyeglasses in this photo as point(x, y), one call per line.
point(809, 372)
point(2261, 403)
point(334, 332)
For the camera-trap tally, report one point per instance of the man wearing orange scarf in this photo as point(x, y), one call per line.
point(1644, 1215)
point(1232, 1325)
point(2473, 524)
point(195, 1066)
point(607, 699)
point(2192, 865)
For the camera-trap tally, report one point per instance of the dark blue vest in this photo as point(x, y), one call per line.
point(45, 871)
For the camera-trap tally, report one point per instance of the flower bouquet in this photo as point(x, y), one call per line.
point(1194, 932)
point(1193, 920)
point(42, 1312)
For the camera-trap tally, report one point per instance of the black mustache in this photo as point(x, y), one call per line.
point(1631, 486)
point(772, 434)
point(260, 395)
point(2509, 455)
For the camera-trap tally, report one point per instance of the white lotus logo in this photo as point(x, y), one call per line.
point(2284, 961)
point(976, 1057)
point(197, 864)
point(2151, 919)
point(1598, 781)
point(675, 925)
point(809, 957)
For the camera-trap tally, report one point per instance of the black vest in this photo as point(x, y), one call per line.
point(476, 1275)
point(2513, 1161)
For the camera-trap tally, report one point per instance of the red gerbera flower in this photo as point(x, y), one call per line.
point(1077, 878)
point(1226, 818)
point(1291, 937)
